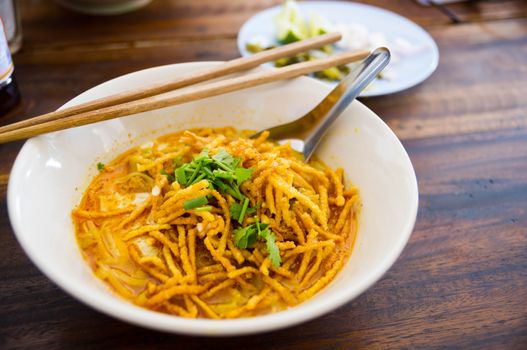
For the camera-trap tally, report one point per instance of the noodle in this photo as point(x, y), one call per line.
point(208, 223)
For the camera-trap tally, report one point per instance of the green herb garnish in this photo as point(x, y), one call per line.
point(100, 166)
point(195, 202)
point(225, 174)
point(222, 170)
point(245, 237)
point(242, 174)
point(244, 210)
point(272, 248)
point(236, 211)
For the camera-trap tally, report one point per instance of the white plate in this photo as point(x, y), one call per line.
point(52, 171)
point(408, 71)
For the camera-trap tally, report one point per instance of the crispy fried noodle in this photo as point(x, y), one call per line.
point(208, 223)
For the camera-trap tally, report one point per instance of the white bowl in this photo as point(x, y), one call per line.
point(51, 172)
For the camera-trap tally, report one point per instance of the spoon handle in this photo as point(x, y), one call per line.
point(326, 112)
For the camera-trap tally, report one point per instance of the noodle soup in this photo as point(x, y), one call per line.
point(208, 223)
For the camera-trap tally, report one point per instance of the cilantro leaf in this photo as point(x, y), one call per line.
point(235, 209)
point(195, 202)
point(100, 166)
point(272, 248)
point(245, 237)
point(243, 174)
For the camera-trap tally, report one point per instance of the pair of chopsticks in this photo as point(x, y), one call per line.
point(180, 89)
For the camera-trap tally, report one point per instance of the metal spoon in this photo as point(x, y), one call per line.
point(306, 132)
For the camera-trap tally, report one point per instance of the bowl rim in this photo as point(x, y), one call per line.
point(131, 313)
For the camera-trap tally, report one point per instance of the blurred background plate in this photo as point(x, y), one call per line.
point(403, 72)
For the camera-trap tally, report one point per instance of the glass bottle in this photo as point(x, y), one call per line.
point(10, 14)
point(9, 95)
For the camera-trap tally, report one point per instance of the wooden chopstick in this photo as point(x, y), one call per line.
point(187, 94)
point(229, 67)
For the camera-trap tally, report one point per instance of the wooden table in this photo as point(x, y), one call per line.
point(462, 280)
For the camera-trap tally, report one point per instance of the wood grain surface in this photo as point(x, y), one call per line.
point(461, 282)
